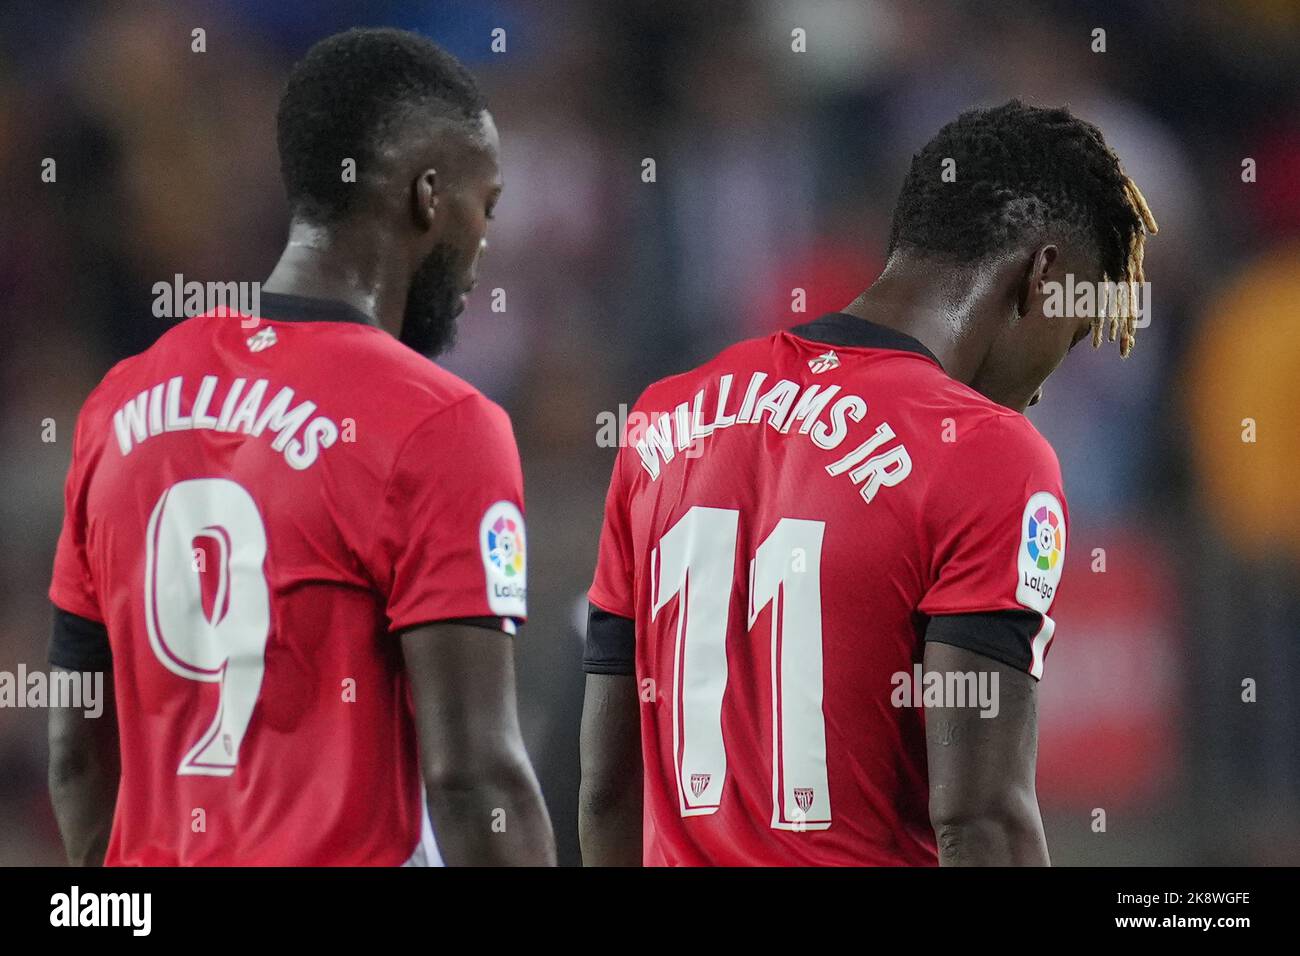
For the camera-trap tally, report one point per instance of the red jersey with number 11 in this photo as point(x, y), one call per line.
point(782, 525)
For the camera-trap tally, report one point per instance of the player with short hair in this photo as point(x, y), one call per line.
point(809, 516)
point(296, 542)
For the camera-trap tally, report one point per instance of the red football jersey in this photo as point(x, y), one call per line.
point(254, 507)
point(783, 525)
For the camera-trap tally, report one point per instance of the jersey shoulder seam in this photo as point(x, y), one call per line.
point(401, 451)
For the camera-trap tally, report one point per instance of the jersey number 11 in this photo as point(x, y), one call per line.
point(696, 561)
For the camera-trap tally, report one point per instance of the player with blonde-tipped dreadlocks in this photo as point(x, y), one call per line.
point(936, 511)
point(997, 206)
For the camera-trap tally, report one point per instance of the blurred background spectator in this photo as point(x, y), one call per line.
point(775, 171)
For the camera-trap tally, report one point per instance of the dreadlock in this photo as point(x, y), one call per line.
point(1025, 172)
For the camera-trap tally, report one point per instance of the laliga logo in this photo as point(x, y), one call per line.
point(501, 541)
point(1044, 543)
point(506, 546)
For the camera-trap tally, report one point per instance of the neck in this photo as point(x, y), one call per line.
point(354, 264)
point(944, 310)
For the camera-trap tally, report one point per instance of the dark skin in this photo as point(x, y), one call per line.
point(433, 186)
point(85, 766)
point(438, 187)
point(987, 326)
point(484, 800)
point(983, 805)
point(988, 329)
point(610, 795)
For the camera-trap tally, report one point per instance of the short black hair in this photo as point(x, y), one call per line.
point(346, 94)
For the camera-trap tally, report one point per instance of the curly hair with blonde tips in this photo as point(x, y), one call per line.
point(1025, 173)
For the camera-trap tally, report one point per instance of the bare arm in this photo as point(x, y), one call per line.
point(982, 801)
point(85, 766)
point(609, 801)
point(484, 801)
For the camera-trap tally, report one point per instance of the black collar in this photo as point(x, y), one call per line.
point(281, 307)
point(840, 328)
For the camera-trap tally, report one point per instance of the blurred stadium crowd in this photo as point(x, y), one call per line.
point(775, 170)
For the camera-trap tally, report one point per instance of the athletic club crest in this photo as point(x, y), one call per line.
point(804, 797)
point(264, 338)
point(825, 362)
point(700, 783)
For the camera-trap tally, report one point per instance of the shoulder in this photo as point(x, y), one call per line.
point(984, 436)
point(372, 370)
point(447, 418)
point(381, 362)
point(990, 464)
point(1010, 441)
point(113, 389)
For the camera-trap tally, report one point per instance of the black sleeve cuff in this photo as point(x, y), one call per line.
point(79, 644)
point(1005, 636)
point(611, 643)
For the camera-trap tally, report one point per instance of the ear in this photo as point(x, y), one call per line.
point(1036, 273)
point(424, 199)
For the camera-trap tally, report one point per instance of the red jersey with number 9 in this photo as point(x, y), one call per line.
point(255, 506)
point(782, 523)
